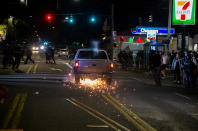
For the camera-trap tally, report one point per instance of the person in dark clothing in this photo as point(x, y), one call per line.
point(48, 54)
point(125, 60)
point(155, 66)
point(5, 56)
point(17, 56)
point(29, 55)
point(52, 55)
point(188, 70)
point(122, 59)
point(130, 58)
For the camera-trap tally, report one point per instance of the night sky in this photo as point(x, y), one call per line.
point(127, 14)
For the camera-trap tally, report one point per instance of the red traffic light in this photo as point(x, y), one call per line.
point(49, 17)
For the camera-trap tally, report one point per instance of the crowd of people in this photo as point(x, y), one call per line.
point(183, 64)
point(49, 53)
point(15, 52)
point(127, 59)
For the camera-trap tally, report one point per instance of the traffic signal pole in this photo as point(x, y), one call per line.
point(169, 24)
point(112, 29)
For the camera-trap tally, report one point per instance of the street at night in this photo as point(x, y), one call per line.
point(99, 65)
point(47, 100)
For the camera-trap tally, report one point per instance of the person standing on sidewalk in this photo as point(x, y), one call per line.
point(52, 55)
point(155, 67)
point(164, 61)
point(29, 55)
point(188, 69)
point(176, 66)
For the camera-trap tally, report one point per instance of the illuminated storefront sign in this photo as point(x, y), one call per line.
point(160, 31)
point(152, 32)
point(184, 12)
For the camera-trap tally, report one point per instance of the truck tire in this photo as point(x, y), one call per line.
point(108, 79)
point(77, 79)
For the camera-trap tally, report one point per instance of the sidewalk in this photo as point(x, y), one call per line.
point(144, 76)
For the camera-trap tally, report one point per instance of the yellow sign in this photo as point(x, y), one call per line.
point(3, 32)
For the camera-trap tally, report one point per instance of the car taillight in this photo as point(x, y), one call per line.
point(111, 66)
point(76, 64)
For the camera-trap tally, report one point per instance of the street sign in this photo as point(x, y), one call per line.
point(184, 12)
point(159, 30)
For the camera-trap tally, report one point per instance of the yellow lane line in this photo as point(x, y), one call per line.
point(35, 69)
point(10, 112)
point(107, 118)
point(137, 125)
point(19, 110)
point(145, 124)
point(29, 69)
point(92, 114)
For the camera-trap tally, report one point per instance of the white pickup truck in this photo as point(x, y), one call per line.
point(92, 63)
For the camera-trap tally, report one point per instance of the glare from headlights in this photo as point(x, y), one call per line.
point(37, 48)
point(42, 47)
point(33, 48)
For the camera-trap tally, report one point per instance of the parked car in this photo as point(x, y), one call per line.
point(63, 52)
point(91, 63)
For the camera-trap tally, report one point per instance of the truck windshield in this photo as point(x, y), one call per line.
point(92, 55)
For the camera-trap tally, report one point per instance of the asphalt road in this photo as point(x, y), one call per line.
point(41, 97)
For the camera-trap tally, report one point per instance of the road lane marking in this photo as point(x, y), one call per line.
point(178, 94)
point(29, 69)
point(54, 69)
point(69, 65)
point(195, 116)
point(19, 110)
point(66, 64)
point(11, 111)
point(133, 115)
point(98, 126)
point(130, 119)
point(100, 114)
point(92, 114)
point(35, 69)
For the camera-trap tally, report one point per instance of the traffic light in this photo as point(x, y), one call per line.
point(71, 20)
point(150, 18)
point(92, 19)
point(45, 43)
point(49, 17)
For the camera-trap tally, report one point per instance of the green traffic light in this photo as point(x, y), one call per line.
point(93, 19)
point(71, 20)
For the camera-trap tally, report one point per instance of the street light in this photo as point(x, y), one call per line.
point(24, 2)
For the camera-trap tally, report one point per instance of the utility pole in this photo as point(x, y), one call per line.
point(57, 4)
point(169, 23)
point(112, 29)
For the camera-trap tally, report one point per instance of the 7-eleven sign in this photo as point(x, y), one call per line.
point(184, 12)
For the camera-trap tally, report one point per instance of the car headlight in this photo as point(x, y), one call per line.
point(37, 48)
point(33, 48)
